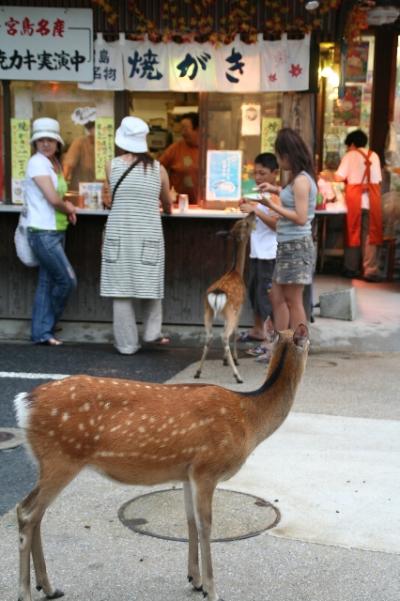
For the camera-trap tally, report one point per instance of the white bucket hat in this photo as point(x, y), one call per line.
point(131, 135)
point(46, 128)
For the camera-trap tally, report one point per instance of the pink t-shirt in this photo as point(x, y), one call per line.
point(352, 169)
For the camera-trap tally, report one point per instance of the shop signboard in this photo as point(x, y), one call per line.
point(46, 44)
point(224, 173)
point(279, 66)
point(20, 154)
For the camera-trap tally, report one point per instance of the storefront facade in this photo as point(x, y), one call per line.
point(346, 88)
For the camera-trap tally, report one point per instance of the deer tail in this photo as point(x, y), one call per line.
point(217, 301)
point(22, 409)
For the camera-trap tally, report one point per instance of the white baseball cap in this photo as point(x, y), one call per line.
point(131, 135)
point(45, 127)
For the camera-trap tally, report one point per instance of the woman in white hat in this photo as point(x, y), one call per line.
point(132, 267)
point(48, 216)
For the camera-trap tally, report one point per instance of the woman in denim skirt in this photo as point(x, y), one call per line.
point(295, 253)
point(48, 217)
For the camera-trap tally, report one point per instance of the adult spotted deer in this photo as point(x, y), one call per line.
point(226, 296)
point(142, 433)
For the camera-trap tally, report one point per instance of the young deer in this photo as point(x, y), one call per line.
point(226, 296)
point(141, 433)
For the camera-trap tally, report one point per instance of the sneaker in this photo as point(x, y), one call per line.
point(264, 358)
point(257, 350)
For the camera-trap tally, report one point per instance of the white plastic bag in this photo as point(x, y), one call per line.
point(22, 246)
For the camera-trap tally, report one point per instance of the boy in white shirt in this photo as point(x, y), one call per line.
point(262, 254)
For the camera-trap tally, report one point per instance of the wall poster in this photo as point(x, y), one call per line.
point(347, 110)
point(224, 172)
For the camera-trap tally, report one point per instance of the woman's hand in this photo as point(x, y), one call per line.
point(70, 211)
point(267, 187)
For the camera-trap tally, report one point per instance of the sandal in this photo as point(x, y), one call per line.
point(52, 342)
point(160, 341)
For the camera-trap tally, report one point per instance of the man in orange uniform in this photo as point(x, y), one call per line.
point(361, 170)
point(181, 159)
point(79, 160)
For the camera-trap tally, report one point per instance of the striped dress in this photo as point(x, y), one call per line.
point(133, 255)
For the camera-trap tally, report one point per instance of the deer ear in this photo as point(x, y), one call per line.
point(300, 336)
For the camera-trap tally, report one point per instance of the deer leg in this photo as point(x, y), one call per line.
point(202, 491)
point(208, 321)
point(230, 327)
point(234, 353)
point(193, 558)
point(30, 513)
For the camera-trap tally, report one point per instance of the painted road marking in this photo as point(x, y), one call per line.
point(30, 376)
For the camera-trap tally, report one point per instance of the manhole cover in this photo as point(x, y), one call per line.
point(10, 438)
point(235, 515)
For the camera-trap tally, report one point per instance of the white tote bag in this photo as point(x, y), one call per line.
point(22, 246)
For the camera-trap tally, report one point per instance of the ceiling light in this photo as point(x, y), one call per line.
point(312, 5)
point(383, 15)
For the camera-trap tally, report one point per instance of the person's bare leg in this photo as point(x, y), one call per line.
point(279, 307)
point(293, 294)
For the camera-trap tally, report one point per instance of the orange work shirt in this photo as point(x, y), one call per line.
point(182, 163)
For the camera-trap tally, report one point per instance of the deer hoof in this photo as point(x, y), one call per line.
point(236, 362)
point(239, 380)
point(195, 588)
point(225, 362)
point(56, 595)
point(197, 374)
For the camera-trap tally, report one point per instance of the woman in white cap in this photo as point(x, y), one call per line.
point(132, 267)
point(48, 216)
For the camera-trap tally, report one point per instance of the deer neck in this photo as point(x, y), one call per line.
point(239, 257)
point(272, 402)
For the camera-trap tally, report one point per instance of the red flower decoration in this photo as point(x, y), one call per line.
point(295, 70)
point(272, 77)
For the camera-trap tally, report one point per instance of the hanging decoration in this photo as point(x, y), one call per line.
point(199, 22)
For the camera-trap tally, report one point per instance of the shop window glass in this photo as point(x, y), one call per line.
point(246, 122)
point(163, 111)
point(31, 100)
point(353, 110)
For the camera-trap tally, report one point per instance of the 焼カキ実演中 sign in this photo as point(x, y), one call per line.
point(46, 44)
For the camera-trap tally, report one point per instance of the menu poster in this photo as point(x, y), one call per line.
point(269, 130)
point(356, 63)
point(347, 110)
point(104, 145)
point(20, 154)
point(224, 171)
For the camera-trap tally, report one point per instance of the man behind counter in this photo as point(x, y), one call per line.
point(181, 159)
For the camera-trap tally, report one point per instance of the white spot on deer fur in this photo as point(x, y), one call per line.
point(147, 386)
point(125, 402)
point(107, 405)
point(115, 428)
point(65, 417)
point(222, 410)
point(152, 420)
point(101, 428)
point(174, 432)
point(72, 388)
point(99, 397)
point(71, 440)
point(101, 381)
point(141, 429)
point(51, 433)
point(171, 420)
point(97, 437)
point(91, 421)
point(144, 416)
point(183, 431)
point(54, 411)
point(81, 426)
point(78, 446)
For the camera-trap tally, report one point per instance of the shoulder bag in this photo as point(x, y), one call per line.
point(24, 250)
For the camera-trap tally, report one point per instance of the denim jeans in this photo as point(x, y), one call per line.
point(56, 280)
